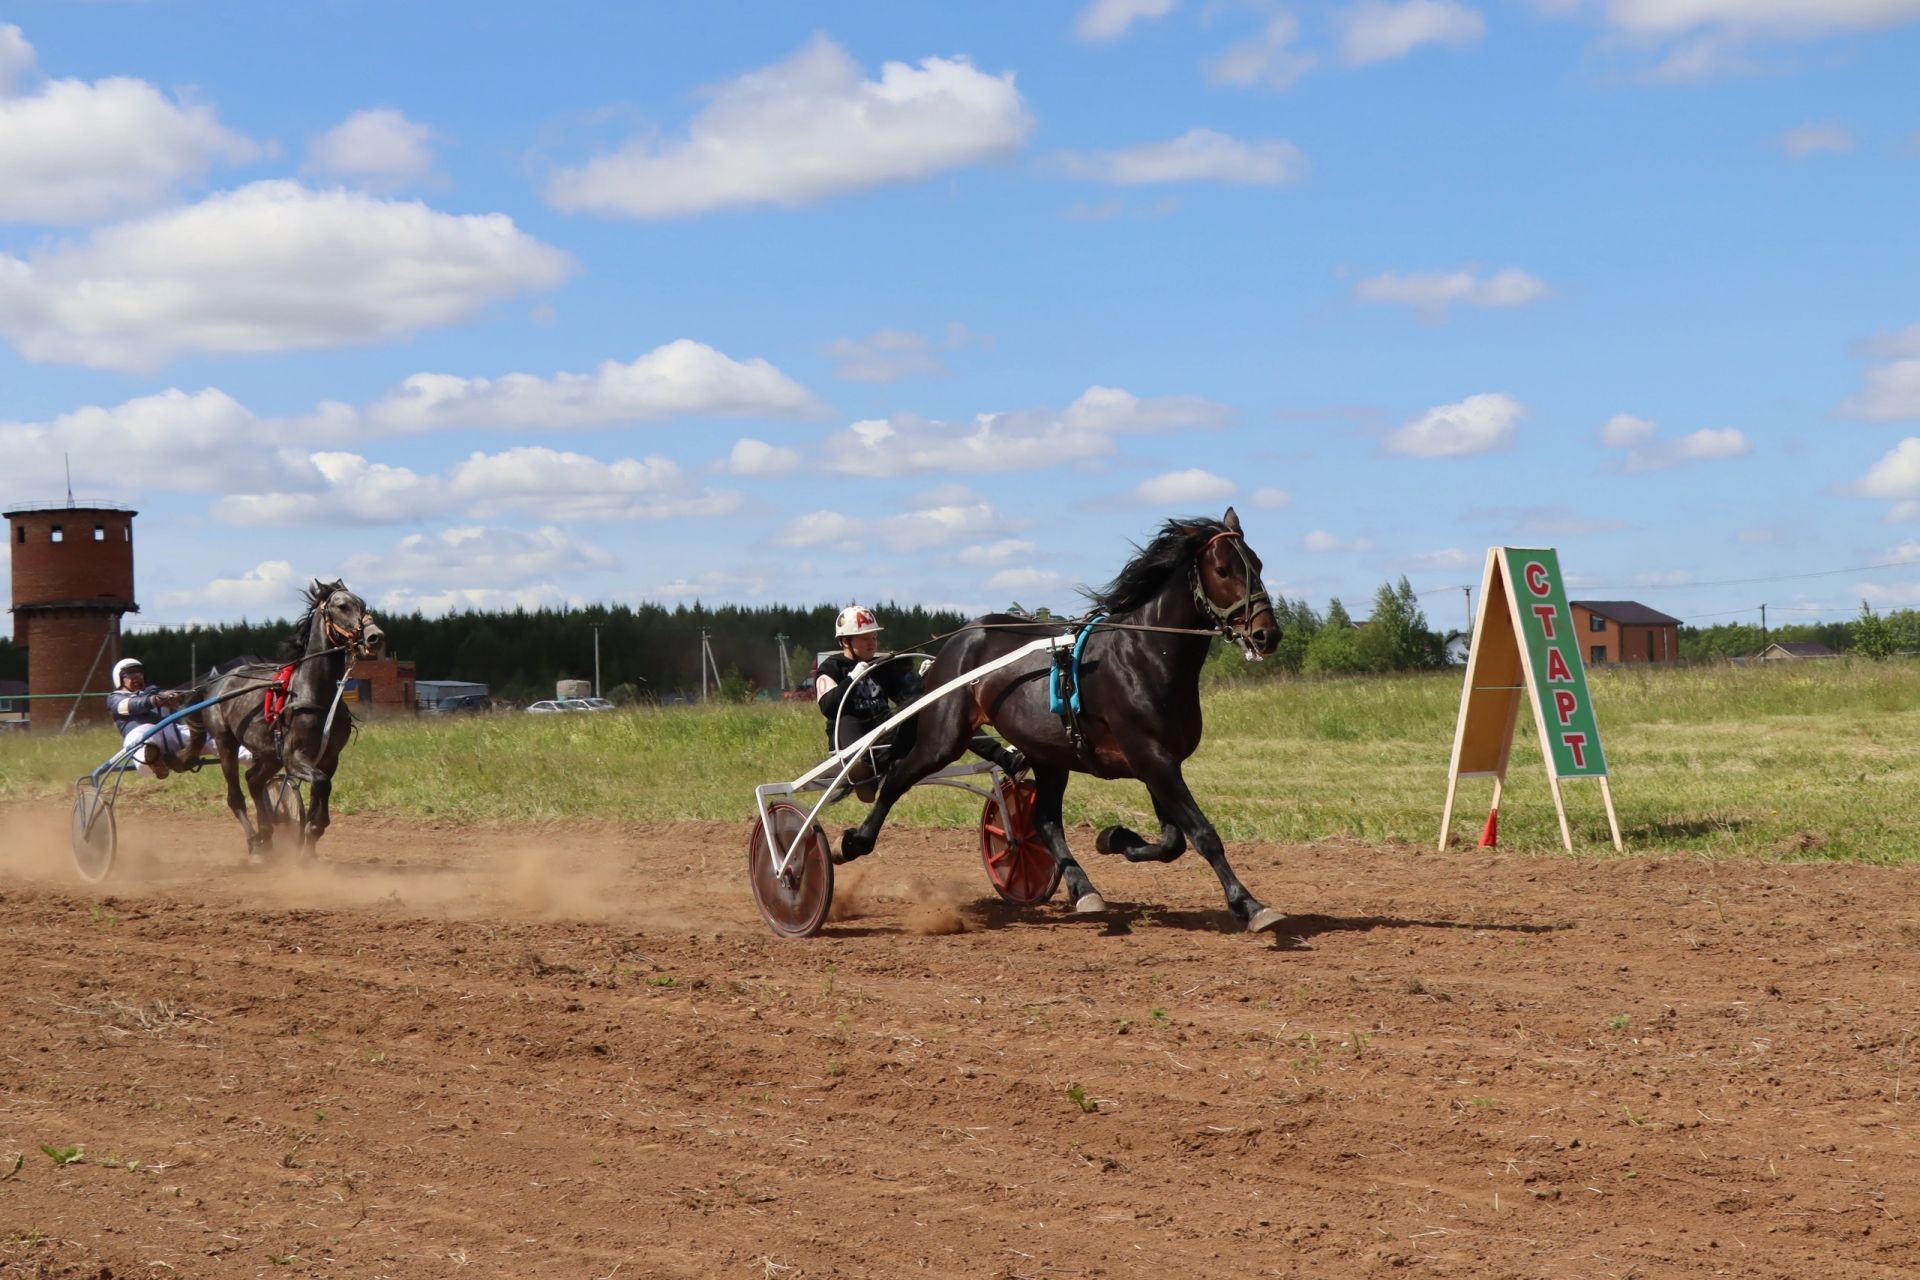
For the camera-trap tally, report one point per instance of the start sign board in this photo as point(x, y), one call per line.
point(1525, 650)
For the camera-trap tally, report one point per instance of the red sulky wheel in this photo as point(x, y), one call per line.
point(1019, 864)
point(795, 902)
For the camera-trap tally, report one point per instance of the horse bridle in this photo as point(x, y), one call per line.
point(1250, 601)
point(354, 640)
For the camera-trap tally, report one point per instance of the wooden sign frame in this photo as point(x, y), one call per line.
point(1525, 649)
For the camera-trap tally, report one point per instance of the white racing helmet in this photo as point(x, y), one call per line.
point(855, 620)
point(125, 665)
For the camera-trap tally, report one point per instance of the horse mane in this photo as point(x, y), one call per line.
point(294, 646)
point(1143, 577)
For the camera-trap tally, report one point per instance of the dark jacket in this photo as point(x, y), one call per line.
point(130, 709)
point(884, 688)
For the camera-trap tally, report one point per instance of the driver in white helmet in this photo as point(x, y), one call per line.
point(857, 690)
point(137, 709)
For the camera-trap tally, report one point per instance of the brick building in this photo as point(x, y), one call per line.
point(72, 582)
point(1624, 631)
point(381, 687)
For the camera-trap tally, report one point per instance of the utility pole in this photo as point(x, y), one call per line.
point(596, 658)
point(1763, 627)
point(1469, 593)
point(703, 666)
point(781, 640)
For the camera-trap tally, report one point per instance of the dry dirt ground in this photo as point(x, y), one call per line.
point(577, 1052)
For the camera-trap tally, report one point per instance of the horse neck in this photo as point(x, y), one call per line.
point(314, 679)
point(1174, 606)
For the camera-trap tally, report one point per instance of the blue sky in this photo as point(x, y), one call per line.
point(948, 303)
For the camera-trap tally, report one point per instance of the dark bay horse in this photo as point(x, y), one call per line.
point(336, 627)
point(1140, 698)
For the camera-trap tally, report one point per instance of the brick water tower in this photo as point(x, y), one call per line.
point(72, 579)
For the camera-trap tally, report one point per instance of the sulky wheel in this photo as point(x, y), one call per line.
point(93, 833)
point(795, 901)
point(1018, 862)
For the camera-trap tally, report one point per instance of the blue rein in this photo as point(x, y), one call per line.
point(1055, 703)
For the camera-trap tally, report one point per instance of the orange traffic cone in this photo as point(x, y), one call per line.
point(1490, 835)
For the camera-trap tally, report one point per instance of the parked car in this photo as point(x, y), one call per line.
point(548, 707)
point(464, 704)
point(594, 704)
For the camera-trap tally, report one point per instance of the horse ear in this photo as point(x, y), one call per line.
point(1231, 520)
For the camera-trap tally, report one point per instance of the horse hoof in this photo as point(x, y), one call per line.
point(850, 848)
point(1266, 919)
point(1116, 840)
point(1090, 904)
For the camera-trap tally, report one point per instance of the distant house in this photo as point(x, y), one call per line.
point(13, 704)
point(1624, 631)
point(1795, 650)
point(1458, 643)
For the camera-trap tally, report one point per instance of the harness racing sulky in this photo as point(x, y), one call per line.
point(1115, 694)
point(288, 736)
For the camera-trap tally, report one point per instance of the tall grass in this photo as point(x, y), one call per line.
point(1812, 760)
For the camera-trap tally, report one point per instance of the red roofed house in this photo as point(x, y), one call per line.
point(1624, 631)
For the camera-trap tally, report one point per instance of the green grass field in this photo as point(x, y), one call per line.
point(1819, 760)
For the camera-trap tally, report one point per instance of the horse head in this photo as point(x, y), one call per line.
point(345, 620)
point(1228, 589)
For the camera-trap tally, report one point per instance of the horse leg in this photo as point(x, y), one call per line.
point(318, 819)
point(938, 739)
point(1050, 786)
point(258, 774)
point(236, 801)
point(1136, 848)
point(1172, 797)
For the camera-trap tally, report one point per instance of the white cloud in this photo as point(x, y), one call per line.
point(1431, 292)
point(380, 144)
point(78, 152)
point(445, 600)
point(269, 586)
point(921, 529)
point(1024, 580)
point(886, 355)
point(681, 377)
point(1813, 138)
point(1109, 19)
point(1267, 61)
point(1022, 440)
point(1271, 499)
point(752, 457)
point(1479, 424)
point(1895, 475)
point(1645, 451)
point(803, 130)
point(1198, 155)
point(1319, 540)
point(1005, 551)
point(1704, 39)
point(1381, 30)
point(1447, 558)
point(1892, 390)
point(1191, 485)
point(476, 556)
point(270, 267)
point(537, 480)
point(716, 584)
point(205, 441)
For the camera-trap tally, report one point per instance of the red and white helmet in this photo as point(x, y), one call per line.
point(855, 620)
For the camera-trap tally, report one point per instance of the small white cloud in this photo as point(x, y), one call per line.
point(683, 377)
point(1892, 390)
point(1895, 475)
point(446, 600)
point(758, 458)
point(73, 151)
point(1812, 139)
point(1191, 485)
point(1645, 451)
point(1024, 580)
point(478, 557)
point(1319, 540)
point(1381, 30)
point(1103, 20)
point(938, 526)
point(1266, 61)
point(1447, 558)
point(1698, 40)
point(269, 267)
point(1432, 292)
point(716, 585)
point(1198, 155)
point(268, 586)
point(1270, 499)
point(805, 129)
point(380, 145)
point(886, 355)
point(1479, 424)
point(821, 529)
point(1004, 551)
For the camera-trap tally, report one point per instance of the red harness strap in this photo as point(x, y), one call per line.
point(277, 693)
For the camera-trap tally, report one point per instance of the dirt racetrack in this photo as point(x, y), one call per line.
point(577, 1052)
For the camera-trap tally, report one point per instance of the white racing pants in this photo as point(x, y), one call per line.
point(171, 740)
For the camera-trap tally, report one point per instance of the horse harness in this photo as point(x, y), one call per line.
point(1250, 600)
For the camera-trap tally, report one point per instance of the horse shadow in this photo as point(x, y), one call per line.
point(1295, 933)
